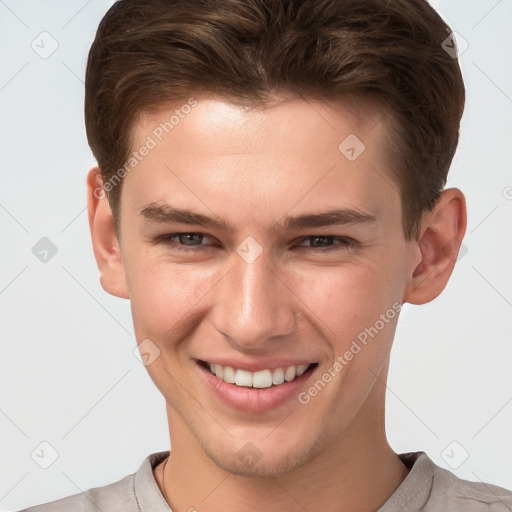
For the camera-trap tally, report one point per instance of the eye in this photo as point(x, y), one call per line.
point(326, 243)
point(187, 242)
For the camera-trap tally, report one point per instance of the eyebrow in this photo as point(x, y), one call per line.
point(337, 217)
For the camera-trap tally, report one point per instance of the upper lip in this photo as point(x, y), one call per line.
point(260, 364)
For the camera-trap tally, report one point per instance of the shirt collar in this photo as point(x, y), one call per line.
point(414, 492)
point(146, 489)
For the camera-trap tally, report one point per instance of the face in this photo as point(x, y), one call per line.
point(232, 259)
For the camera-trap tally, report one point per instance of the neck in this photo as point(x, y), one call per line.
point(357, 471)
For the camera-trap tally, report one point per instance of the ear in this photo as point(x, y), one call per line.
point(104, 240)
point(441, 234)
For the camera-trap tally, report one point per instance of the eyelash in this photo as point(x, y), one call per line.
point(347, 242)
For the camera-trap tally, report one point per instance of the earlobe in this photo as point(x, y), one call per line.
point(441, 234)
point(104, 240)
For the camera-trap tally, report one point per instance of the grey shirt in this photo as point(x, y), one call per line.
point(427, 487)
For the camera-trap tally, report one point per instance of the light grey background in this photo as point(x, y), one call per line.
point(68, 374)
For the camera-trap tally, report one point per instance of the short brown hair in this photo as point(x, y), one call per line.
point(150, 52)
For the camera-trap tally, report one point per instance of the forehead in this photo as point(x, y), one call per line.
point(280, 124)
point(264, 158)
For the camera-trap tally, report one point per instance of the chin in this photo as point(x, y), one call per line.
point(260, 459)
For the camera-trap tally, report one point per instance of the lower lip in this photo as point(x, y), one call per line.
point(254, 399)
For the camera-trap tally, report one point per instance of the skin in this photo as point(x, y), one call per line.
point(252, 168)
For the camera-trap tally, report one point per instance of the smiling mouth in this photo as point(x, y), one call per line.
point(261, 379)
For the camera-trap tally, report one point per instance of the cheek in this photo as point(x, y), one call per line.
point(348, 298)
point(163, 295)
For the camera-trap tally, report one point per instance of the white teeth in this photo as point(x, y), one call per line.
point(243, 378)
point(290, 373)
point(261, 379)
point(228, 375)
point(278, 376)
point(219, 371)
point(301, 369)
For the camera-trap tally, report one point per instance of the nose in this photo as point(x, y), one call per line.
point(254, 306)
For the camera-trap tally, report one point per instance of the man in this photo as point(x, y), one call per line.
point(269, 192)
